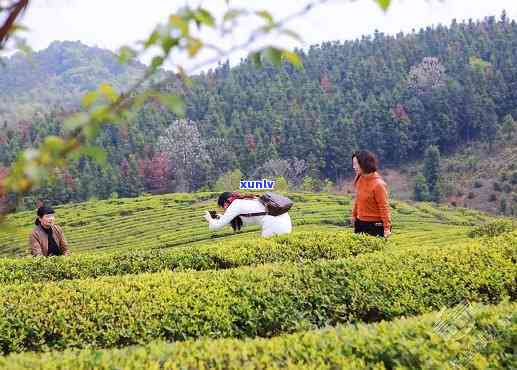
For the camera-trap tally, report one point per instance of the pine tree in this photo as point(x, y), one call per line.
point(420, 189)
point(432, 172)
point(131, 184)
point(503, 206)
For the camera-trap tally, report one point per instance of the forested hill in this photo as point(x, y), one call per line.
point(396, 95)
point(57, 77)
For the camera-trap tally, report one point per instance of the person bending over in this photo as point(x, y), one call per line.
point(241, 210)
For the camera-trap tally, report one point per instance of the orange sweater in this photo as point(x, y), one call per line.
point(371, 200)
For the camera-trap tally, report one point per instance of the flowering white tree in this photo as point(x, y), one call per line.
point(427, 75)
point(187, 152)
point(293, 170)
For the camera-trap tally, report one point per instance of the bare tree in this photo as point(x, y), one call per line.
point(297, 171)
point(273, 168)
point(427, 75)
point(293, 170)
point(187, 152)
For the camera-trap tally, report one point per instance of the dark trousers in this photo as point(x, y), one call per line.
point(374, 228)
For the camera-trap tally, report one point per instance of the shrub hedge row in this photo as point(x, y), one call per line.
point(486, 340)
point(493, 228)
point(247, 302)
point(294, 248)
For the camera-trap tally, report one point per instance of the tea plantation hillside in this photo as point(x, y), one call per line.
point(167, 221)
point(149, 287)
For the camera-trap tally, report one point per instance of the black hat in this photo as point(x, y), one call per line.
point(42, 211)
point(223, 198)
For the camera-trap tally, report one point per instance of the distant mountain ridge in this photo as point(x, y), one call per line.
point(57, 77)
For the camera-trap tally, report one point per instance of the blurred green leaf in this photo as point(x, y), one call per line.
point(100, 113)
point(173, 102)
point(89, 99)
point(177, 22)
point(152, 39)
point(90, 131)
point(205, 17)
point(168, 43)
point(30, 154)
point(292, 58)
point(274, 55)
point(156, 62)
point(267, 28)
point(232, 14)
point(183, 75)
point(292, 34)
point(96, 153)
point(54, 143)
point(264, 14)
point(109, 92)
point(193, 46)
point(256, 58)
point(17, 28)
point(384, 4)
point(126, 54)
point(34, 173)
point(138, 101)
point(76, 121)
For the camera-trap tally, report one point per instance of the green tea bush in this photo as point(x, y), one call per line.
point(248, 302)
point(411, 343)
point(296, 247)
point(491, 229)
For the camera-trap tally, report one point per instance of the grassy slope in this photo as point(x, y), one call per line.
point(473, 177)
point(176, 219)
point(172, 221)
point(474, 171)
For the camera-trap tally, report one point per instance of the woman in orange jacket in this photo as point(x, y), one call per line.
point(371, 211)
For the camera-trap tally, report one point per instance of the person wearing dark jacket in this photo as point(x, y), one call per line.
point(47, 238)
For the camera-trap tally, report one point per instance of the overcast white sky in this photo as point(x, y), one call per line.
point(113, 23)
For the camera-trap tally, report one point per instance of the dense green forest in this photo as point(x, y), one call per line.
point(396, 95)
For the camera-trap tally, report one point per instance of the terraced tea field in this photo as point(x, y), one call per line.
point(168, 221)
point(149, 287)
